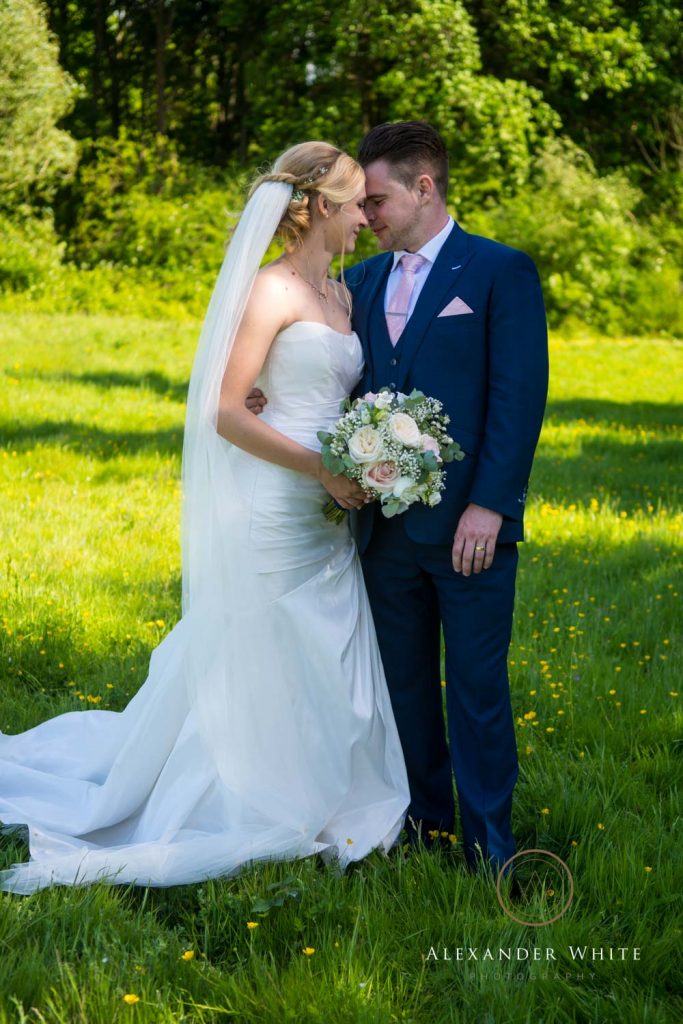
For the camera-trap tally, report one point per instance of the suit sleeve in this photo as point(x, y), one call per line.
point(517, 388)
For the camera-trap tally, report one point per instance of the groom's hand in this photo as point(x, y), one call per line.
point(255, 401)
point(474, 544)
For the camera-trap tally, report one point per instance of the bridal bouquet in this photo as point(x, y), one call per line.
point(394, 445)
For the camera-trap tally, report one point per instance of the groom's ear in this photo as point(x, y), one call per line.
point(425, 187)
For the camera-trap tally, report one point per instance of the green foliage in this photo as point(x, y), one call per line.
point(515, 86)
point(30, 250)
point(491, 126)
point(374, 60)
point(611, 70)
point(35, 155)
point(599, 264)
point(138, 205)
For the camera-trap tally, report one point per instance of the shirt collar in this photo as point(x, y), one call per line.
point(431, 249)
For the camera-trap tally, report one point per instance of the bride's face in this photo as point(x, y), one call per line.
point(346, 221)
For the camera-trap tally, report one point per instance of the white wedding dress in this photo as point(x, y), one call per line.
point(308, 758)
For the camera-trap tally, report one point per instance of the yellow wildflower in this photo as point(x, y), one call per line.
point(187, 955)
point(130, 998)
point(308, 950)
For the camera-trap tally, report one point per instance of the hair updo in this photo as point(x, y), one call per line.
point(310, 168)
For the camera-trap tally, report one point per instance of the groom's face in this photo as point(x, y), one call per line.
point(393, 211)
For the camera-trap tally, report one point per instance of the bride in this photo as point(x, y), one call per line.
point(264, 728)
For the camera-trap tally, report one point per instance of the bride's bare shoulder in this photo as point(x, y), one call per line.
point(270, 288)
point(276, 277)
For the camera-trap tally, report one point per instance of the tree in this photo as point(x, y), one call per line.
point(35, 93)
point(611, 70)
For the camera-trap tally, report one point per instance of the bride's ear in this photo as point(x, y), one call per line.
point(323, 206)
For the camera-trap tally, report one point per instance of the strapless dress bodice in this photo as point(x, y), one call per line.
point(310, 369)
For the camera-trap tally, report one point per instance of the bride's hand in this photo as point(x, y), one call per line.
point(345, 492)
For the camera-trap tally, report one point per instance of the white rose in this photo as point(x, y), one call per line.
point(405, 429)
point(434, 499)
point(383, 400)
point(365, 445)
point(401, 486)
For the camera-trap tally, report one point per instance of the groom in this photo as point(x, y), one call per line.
point(460, 318)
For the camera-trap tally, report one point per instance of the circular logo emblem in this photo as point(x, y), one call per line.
point(544, 888)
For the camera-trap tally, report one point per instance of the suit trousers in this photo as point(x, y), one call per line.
point(414, 590)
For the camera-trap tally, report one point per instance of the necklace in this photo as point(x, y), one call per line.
point(321, 294)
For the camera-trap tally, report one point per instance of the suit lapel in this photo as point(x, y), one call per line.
point(364, 309)
point(449, 264)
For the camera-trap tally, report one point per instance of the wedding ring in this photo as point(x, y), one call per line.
point(480, 547)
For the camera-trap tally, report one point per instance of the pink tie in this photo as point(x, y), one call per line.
point(397, 313)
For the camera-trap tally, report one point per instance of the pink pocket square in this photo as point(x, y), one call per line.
point(456, 308)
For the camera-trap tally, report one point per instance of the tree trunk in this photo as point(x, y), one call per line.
point(163, 20)
point(100, 29)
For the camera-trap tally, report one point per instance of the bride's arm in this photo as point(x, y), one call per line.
point(262, 320)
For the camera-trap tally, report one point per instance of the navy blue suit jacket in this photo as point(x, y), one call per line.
point(489, 368)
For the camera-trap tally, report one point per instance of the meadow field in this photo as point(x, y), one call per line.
point(91, 422)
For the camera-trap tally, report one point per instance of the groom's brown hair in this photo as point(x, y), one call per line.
point(411, 148)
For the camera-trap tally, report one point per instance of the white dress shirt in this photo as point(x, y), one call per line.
point(430, 250)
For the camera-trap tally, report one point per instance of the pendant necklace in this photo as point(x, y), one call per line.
point(321, 294)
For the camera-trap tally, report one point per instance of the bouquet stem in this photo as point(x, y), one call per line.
point(334, 513)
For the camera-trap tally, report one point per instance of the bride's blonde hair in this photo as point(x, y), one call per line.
point(310, 168)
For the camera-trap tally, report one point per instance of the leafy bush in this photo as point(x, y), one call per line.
point(135, 204)
point(30, 250)
point(599, 264)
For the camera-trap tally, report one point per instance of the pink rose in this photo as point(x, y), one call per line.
point(381, 476)
point(430, 444)
point(370, 397)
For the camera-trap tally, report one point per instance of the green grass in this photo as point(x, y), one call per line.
point(91, 417)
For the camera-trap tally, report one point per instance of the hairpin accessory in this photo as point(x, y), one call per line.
point(316, 174)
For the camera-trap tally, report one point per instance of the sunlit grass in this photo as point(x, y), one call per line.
point(91, 418)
